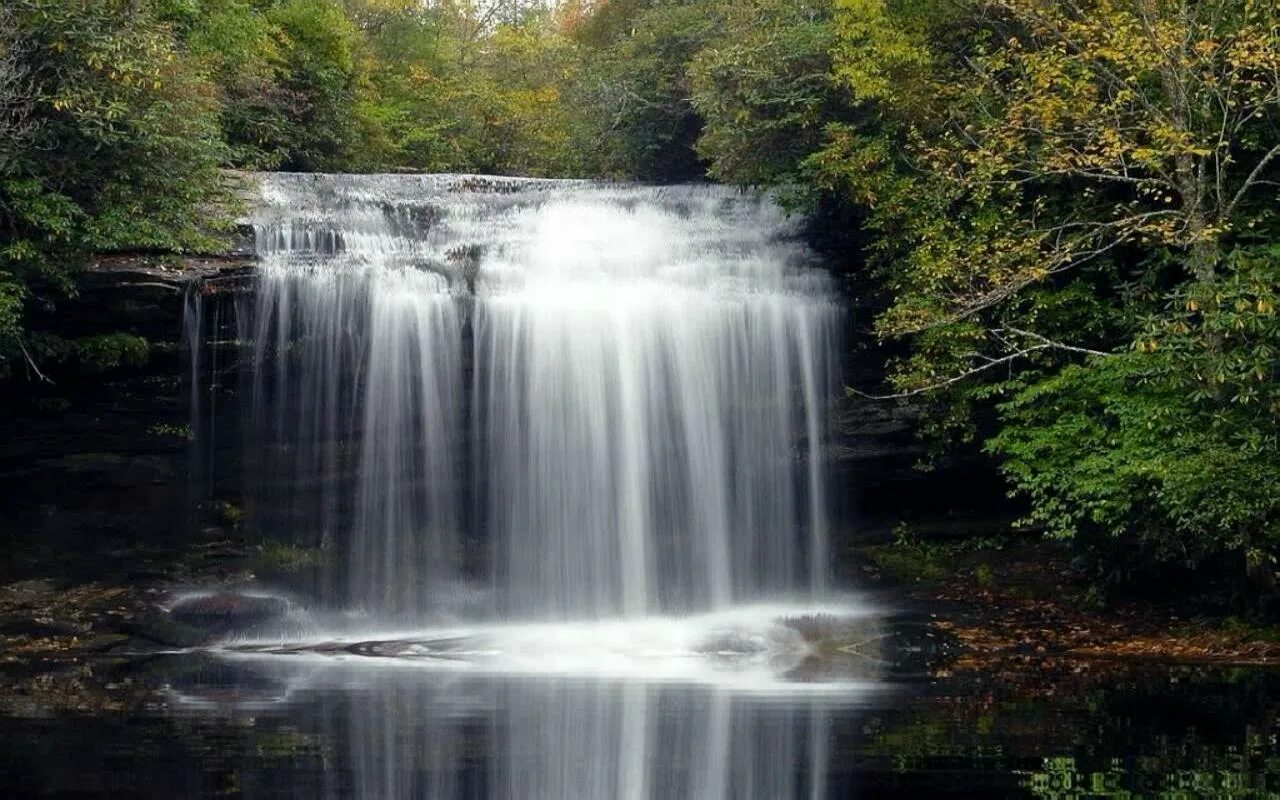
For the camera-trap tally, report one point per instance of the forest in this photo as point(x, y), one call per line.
point(1068, 208)
point(640, 398)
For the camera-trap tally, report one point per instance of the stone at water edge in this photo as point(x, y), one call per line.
point(220, 613)
point(158, 628)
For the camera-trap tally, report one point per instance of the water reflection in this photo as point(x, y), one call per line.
point(279, 726)
point(405, 731)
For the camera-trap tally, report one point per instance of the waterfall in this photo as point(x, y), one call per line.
point(589, 400)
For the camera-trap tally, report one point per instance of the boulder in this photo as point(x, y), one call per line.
point(220, 613)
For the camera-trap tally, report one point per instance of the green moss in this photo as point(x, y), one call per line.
point(228, 513)
point(983, 576)
point(111, 350)
point(914, 559)
point(908, 564)
point(282, 557)
point(167, 430)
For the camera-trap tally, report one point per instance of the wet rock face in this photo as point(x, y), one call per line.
point(93, 476)
point(222, 613)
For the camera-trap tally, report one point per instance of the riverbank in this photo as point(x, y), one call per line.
point(1017, 601)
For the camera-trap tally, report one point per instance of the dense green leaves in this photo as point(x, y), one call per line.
point(118, 145)
point(765, 88)
point(636, 89)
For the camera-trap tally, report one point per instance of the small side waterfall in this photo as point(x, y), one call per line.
point(591, 400)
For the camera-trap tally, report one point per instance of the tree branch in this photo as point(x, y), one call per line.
point(1044, 344)
point(31, 362)
point(1250, 181)
point(1057, 345)
point(933, 387)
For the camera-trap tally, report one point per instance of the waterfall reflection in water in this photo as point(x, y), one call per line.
point(283, 727)
point(400, 732)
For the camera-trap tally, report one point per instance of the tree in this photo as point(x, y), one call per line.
point(1068, 134)
point(765, 89)
point(528, 127)
point(1160, 455)
point(323, 77)
point(636, 84)
point(17, 90)
point(1074, 205)
point(235, 43)
point(120, 148)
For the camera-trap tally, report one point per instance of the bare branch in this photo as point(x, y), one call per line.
point(17, 89)
point(1055, 344)
point(1251, 181)
point(933, 387)
point(988, 362)
point(31, 362)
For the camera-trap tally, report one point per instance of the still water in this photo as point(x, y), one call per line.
point(309, 726)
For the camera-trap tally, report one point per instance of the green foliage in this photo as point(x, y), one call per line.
point(234, 44)
point(112, 350)
point(636, 85)
point(1071, 207)
point(119, 147)
point(89, 354)
point(1166, 446)
point(373, 86)
point(764, 87)
point(912, 558)
point(909, 565)
point(517, 119)
point(320, 78)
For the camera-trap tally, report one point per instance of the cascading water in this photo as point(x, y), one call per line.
point(595, 400)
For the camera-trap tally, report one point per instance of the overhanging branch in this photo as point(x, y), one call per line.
point(1044, 343)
